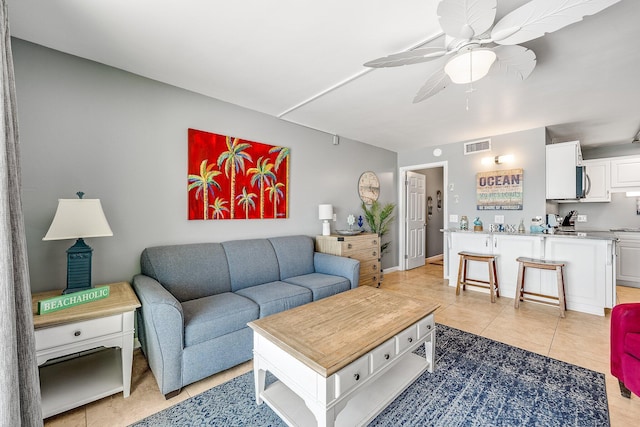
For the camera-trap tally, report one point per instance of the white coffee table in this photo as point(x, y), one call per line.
point(341, 360)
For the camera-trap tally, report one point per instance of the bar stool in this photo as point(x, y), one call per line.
point(541, 264)
point(463, 280)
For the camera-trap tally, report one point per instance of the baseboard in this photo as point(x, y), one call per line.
point(390, 269)
point(435, 259)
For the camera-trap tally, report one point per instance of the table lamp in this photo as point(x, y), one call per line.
point(325, 213)
point(78, 219)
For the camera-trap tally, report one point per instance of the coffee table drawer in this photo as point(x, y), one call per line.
point(383, 355)
point(351, 375)
point(406, 338)
point(426, 326)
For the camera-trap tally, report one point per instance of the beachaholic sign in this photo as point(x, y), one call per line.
point(499, 190)
point(73, 299)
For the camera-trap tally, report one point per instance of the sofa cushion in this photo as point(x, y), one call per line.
point(632, 344)
point(321, 285)
point(251, 262)
point(188, 271)
point(295, 255)
point(275, 297)
point(211, 317)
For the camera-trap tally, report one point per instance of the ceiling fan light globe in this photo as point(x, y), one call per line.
point(461, 70)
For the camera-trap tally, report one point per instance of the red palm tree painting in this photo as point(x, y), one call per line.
point(232, 178)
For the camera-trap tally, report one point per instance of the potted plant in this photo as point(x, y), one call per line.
point(378, 218)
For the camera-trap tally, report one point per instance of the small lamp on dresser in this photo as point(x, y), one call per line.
point(78, 219)
point(325, 213)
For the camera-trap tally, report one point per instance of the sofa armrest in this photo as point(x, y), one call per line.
point(625, 318)
point(337, 266)
point(162, 331)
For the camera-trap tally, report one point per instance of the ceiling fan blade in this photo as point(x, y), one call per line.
point(516, 61)
point(434, 84)
point(464, 19)
point(409, 57)
point(539, 17)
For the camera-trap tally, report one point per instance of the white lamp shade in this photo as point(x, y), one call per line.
point(77, 218)
point(470, 65)
point(325, 211)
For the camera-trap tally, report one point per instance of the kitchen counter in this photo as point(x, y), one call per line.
point(578, 234)
point(589, 257)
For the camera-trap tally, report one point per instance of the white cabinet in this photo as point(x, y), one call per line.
point(561, 162)
point(625, 172)
point(507, 246)
point(598, 181)
point(588, 273)
point(628, 267)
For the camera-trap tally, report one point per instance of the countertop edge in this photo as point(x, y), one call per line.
point(595, 235)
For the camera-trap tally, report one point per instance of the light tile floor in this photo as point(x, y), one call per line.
point(580, 339)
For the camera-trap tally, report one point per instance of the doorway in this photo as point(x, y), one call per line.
point(435, 212)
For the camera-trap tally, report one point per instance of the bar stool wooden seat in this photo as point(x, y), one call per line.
point(543, 264)
point(464, 280)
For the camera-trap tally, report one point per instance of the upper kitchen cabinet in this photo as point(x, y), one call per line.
point(598, 181)
point(562, 160)
point(625, 172)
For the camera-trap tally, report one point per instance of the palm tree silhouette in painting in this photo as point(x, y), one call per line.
point(204, 183)
point(233, 160)
point(275, 193)
point(219, 207)
point(262, 174)
point(283, 154)
point(246, 200)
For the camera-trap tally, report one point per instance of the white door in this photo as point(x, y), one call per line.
point(416, 225)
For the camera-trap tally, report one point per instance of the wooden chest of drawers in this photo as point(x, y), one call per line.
point(363, 247)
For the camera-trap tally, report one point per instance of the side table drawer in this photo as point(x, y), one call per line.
point(57, 336)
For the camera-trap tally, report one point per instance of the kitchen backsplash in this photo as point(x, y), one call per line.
point(619, 213)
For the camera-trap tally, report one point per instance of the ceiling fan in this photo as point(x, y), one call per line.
point(472, 47)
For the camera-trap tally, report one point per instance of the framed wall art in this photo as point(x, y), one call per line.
point(232, 178)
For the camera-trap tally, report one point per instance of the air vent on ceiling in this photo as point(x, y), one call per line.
point(479, 146)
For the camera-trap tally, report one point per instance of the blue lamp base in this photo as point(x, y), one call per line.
point(78, 267)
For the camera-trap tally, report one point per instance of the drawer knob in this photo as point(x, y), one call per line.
point(375, 242)
point(77, 333)
point(356, 377)
point(374, 267)
point(410, 339)
point(428, 326)
point(374, 253)
point(386, 356)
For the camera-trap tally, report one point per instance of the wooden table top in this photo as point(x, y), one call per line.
point(330, 333)
point(120, 300)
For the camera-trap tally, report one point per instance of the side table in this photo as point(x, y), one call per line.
point(77, 379)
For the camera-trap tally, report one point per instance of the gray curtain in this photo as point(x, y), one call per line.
point(19, 382)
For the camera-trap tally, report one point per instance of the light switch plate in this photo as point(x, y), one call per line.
point(582, 218)
point(453, 218)
point(499, 219)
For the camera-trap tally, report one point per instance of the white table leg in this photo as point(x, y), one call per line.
point(259, 377)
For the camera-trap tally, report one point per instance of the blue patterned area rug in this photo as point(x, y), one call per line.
point(477, 382)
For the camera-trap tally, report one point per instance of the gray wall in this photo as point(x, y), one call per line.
point(123, 139)
point(434, 178)
point(529, 152)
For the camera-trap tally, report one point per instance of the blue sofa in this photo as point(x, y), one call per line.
point(197, 299)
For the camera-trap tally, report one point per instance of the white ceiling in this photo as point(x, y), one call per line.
point(272, 55)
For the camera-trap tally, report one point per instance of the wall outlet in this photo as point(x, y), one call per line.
point(335, 217)
point(498, 219)
point(451, 187)
point(453, 218)
point(582, 218)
